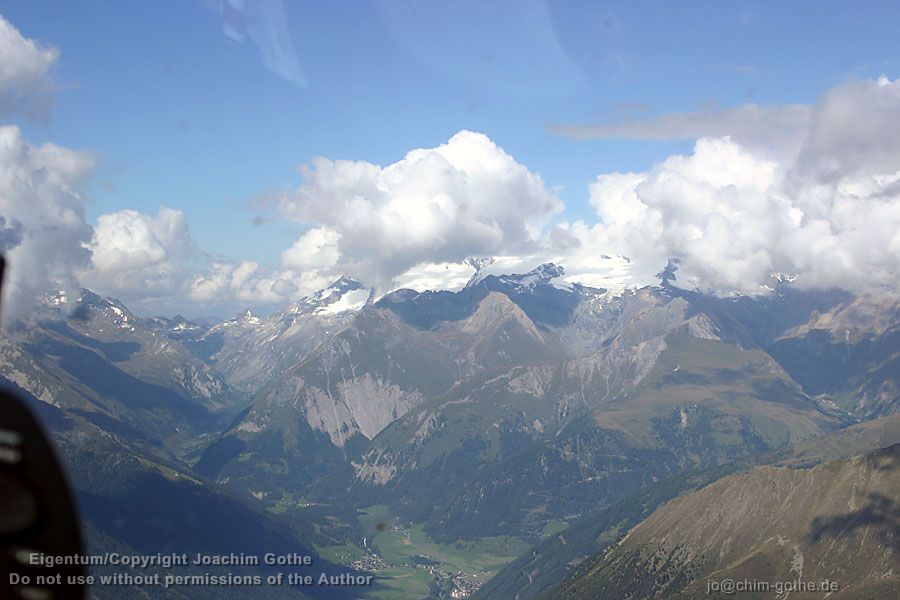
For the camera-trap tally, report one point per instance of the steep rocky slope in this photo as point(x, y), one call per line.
point(838, 522)
point(251, 351)
point(554, 558)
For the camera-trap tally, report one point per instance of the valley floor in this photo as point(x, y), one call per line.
point(409, 565)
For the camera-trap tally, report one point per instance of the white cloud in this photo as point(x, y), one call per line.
point(152, 263)
point(229, 284)
point(830, 215)
point(211, 284)
point(413, 219)
point(855, 131)
point(250, 283)
point(432, 276)
point(317, 248)
point(26, 86)
point(41, 204)
point(811, 191)
point(716, 210)
point(137, 256)
point(435, 205)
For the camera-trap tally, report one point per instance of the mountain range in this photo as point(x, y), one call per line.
point(512, 409)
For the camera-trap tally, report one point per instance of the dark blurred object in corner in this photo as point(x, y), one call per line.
point(38, 523)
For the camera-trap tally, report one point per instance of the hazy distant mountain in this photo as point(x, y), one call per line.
point(118, 371)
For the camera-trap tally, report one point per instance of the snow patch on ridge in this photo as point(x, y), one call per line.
point(348, 301)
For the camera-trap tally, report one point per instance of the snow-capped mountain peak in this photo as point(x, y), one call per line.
point(541, 275)
point(93, 307)
point(344, 294)
point(250, 348)
point(480, 264)
point(344, 284)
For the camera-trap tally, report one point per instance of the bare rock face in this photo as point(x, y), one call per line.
point(533, 381)
point(376, 469)
point(22, 370)
point(373, 404)
point(363, 405)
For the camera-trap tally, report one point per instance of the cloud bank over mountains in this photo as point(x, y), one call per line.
point(828, 215)
point(441, 205)
point(807, 191)
point(140, 255)
point(44, 229)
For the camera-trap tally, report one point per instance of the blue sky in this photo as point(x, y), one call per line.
point(179, 115)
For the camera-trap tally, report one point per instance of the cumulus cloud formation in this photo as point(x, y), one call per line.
point(317, 248)
point(26, 86)
point(855, 131)
point(136, 256)
point(42, 216)
point(830, 216)
point(435, 205)
point(811, 192)
point(248, 282)
point(717, 210)
point(152, 263)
